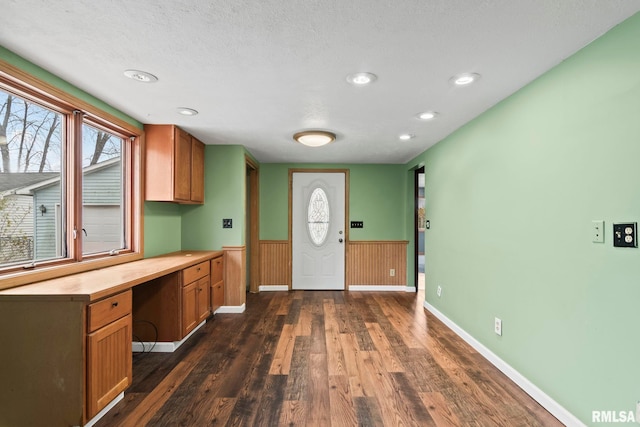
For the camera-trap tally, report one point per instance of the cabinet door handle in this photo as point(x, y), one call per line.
point(198, 269)
point(114, 304)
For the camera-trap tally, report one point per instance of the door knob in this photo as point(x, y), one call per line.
point(340, 240)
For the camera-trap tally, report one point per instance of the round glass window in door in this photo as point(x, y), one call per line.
point(318, 216)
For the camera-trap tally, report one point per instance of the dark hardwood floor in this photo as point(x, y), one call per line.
point(324, 358)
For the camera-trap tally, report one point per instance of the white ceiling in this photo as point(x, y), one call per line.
point(259, 71)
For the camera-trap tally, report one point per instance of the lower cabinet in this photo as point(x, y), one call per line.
point(109, 358)
point(195, 296)
point(108, 364)
point(217, 283)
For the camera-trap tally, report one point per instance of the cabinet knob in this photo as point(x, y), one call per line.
point(114, 304)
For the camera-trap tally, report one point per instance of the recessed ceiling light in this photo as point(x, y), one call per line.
point(406, 136)
point(187, 111)
point(141, 76)
point(314, 138)
point(361, 79)
point(464, 79)
point(427, 115)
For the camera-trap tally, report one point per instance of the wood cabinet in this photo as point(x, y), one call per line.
point(217, 283)
point(166, 309)
point(195, 296)
point(71, 355)
point(174, 162)
point(109, 359)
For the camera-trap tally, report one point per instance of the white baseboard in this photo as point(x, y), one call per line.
point(104, 410)
point(236, 309)
point(383, 288)
point(273, 288)
point(557, 410)
point(162, 347)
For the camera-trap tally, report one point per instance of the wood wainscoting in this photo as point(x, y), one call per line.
point(275, 263)
point(235, 276)
point(369, 263)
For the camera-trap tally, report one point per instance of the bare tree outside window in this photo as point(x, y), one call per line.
point(30, 192)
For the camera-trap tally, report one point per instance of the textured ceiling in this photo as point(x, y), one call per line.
point(259, 71)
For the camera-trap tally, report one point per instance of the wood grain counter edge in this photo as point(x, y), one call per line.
point(97, 284)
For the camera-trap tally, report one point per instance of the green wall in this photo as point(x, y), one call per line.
point(225, 181)
point(374, 197)
point(40, 73)
point(511, 197)
point(162, 228)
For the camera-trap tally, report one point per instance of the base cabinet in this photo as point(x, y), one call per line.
point(109, 358)
point(195, 296)
point(217, 283)
point(108, 364)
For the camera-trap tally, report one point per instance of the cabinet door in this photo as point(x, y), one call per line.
point(197, 171)
point(182, 166)
point(189, 307)
point(217, 295)
point(203, 299)
point(109, 362)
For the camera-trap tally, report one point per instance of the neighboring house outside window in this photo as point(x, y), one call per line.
point(70, 182)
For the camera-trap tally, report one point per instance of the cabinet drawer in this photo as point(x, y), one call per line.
point(195, 272)
point(106, 311)
point(216, 270)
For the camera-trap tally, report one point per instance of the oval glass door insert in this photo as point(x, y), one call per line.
point(318, 216)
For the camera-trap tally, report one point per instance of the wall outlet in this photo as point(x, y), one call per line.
point(498, 327)
point(439, 291)
point(392, 272)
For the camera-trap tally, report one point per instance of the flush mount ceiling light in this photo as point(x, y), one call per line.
point(464, 79)
point(314, 138)
point(361, 79)
point(187, 111)
point(141, 76)
point(427, 115)
point(406, 136)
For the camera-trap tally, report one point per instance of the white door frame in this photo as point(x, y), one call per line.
point(346, 216)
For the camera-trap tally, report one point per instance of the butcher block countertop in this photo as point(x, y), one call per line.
point(97, 284)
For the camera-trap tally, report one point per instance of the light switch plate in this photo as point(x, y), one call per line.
point(597, 231)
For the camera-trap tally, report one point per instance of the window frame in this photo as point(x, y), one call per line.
point(77, 112)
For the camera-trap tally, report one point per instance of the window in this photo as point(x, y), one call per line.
point(318, 216)
point(69, 182)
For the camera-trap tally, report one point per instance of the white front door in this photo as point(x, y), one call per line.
point(318, 230)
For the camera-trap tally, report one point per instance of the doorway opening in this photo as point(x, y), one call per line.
point(420, 227)
point(252, 225)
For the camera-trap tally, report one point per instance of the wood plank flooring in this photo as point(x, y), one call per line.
point(324, 358)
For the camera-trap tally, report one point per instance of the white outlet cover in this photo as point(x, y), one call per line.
point(498, 326)
point(439, 291)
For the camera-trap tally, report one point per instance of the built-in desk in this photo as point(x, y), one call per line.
point(65, 343)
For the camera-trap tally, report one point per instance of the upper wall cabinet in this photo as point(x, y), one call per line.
point(174, 165)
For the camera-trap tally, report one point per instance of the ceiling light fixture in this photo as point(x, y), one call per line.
point(361, 79)
point(406, 136)
point(140, 76)
point(314, 138)
point(427, 115)
point(187, 111)
point(464, 79)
